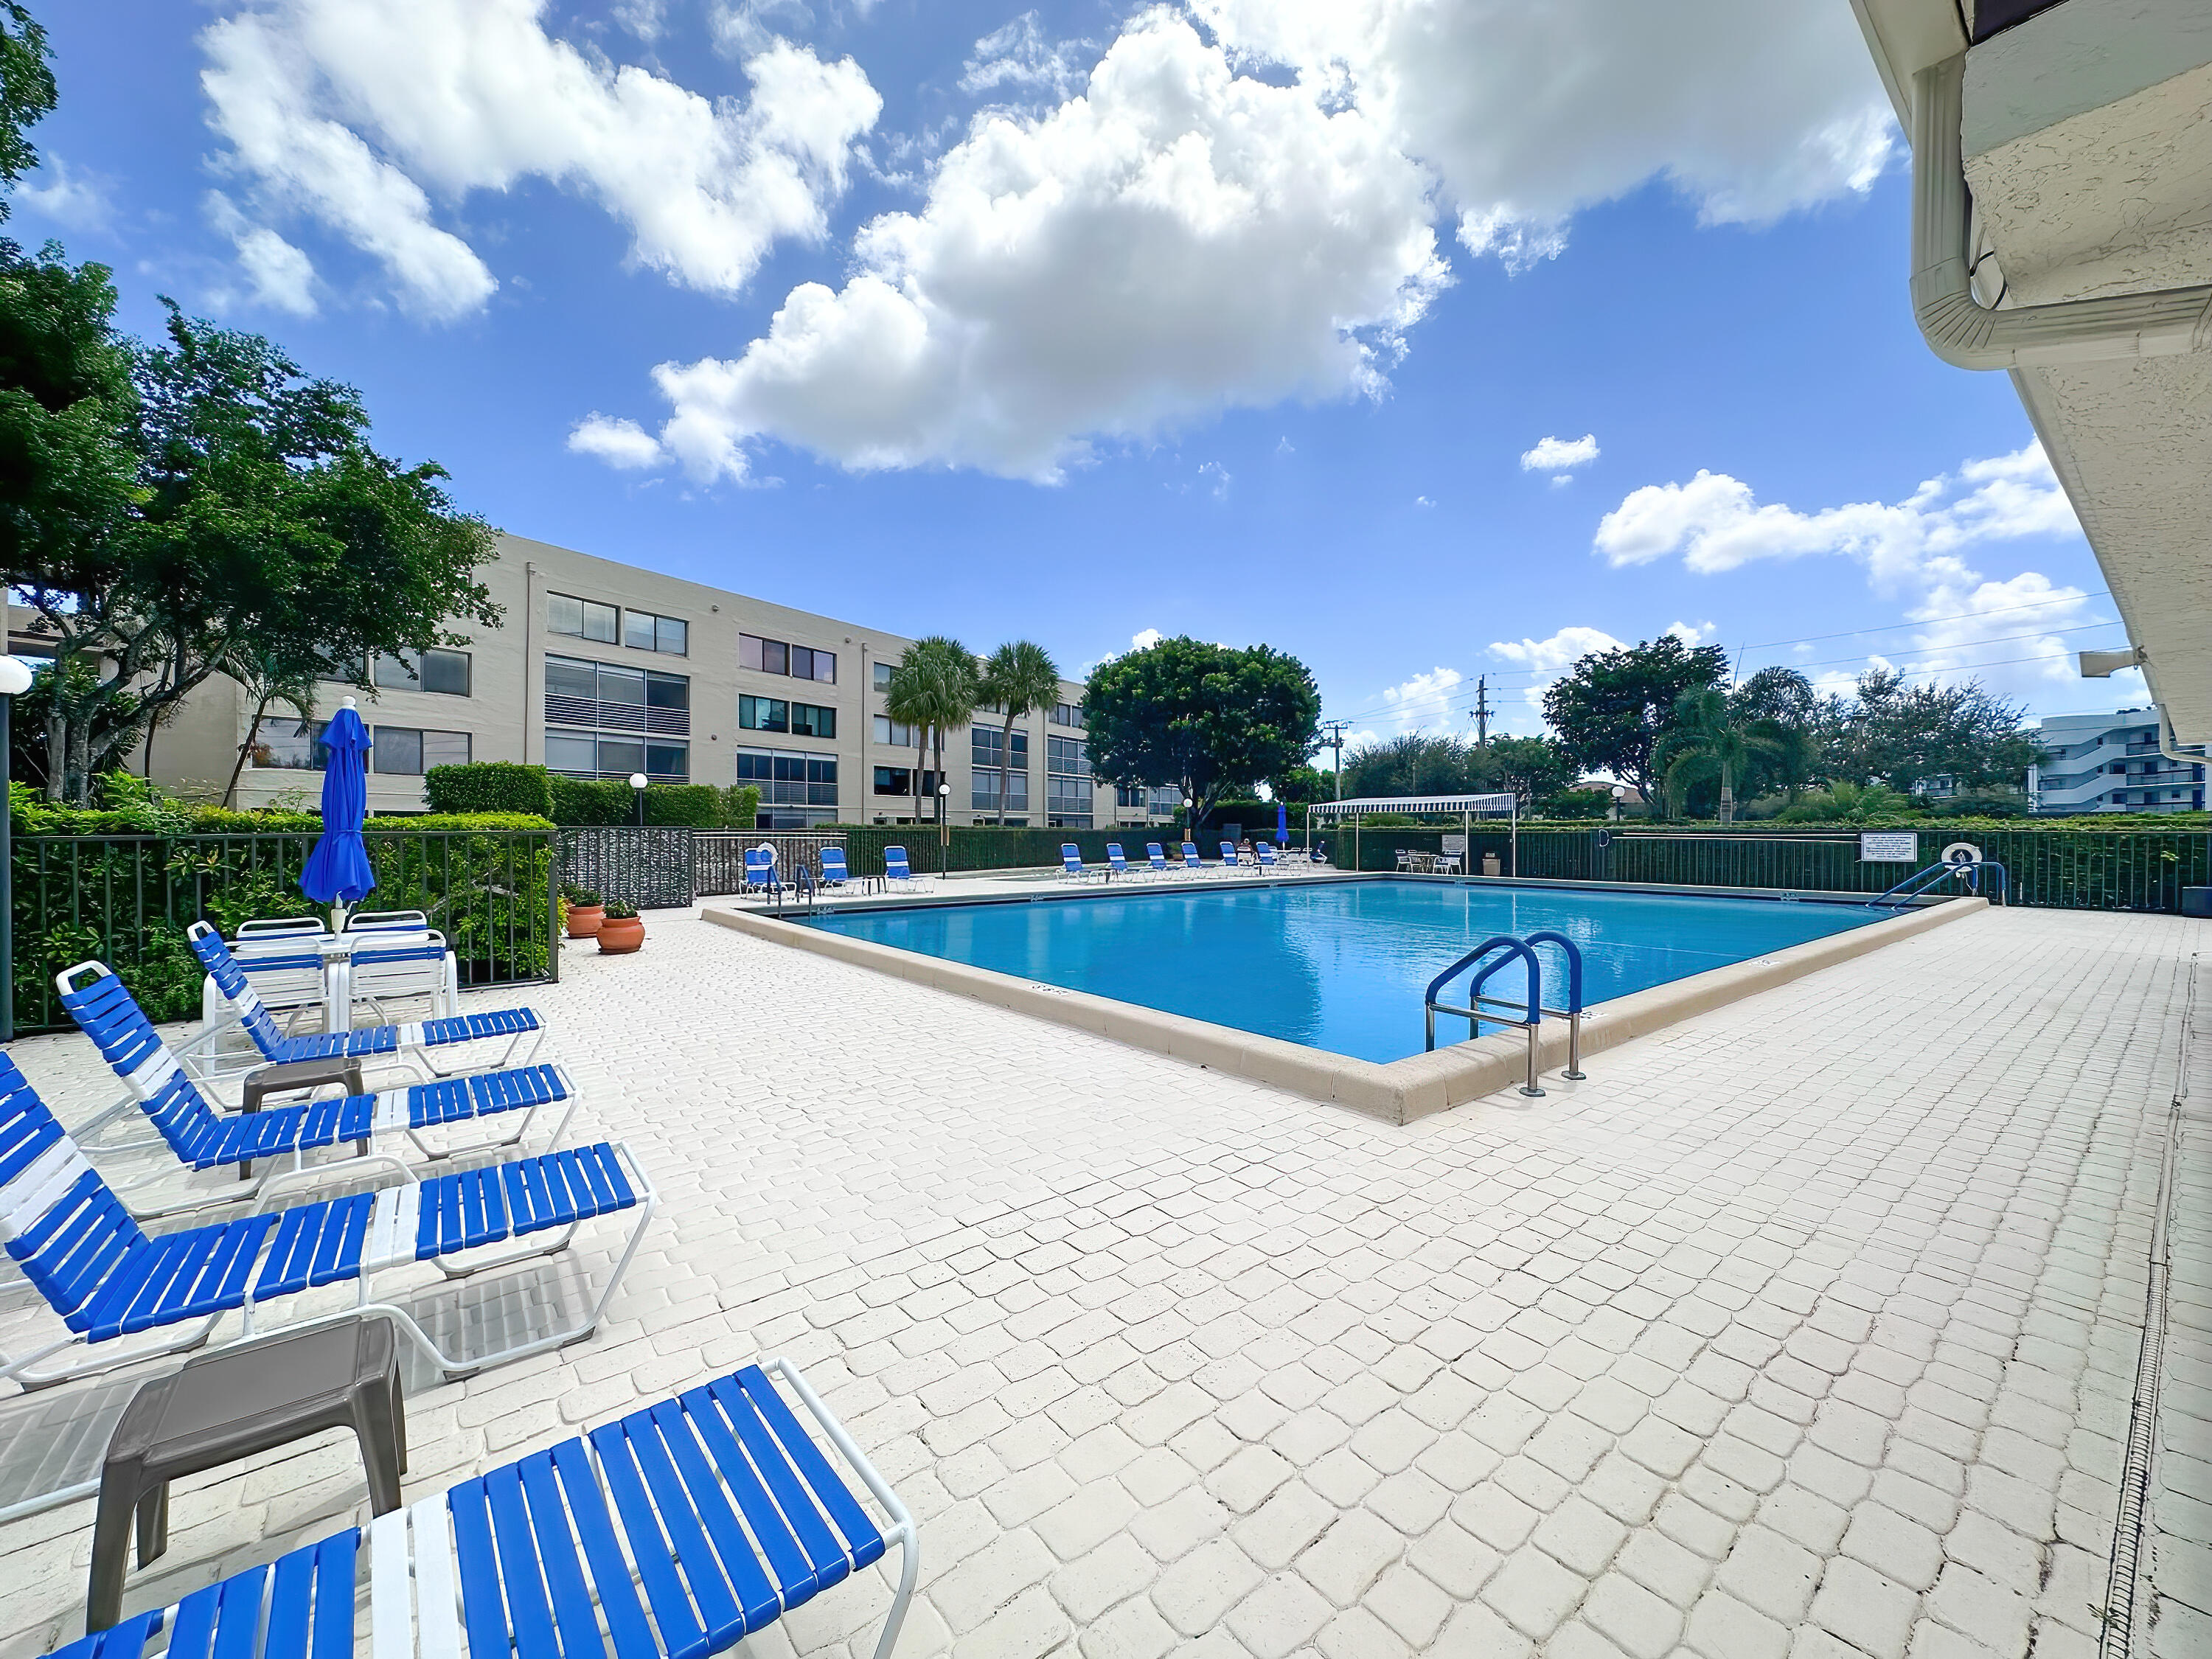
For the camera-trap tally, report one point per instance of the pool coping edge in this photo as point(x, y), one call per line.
point(1397, 1091)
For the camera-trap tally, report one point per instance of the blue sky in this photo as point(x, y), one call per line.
point(1248, 343)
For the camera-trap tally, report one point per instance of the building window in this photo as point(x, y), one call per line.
point(899, 781)
point(445, 673)
point(292, 745)
point(643, 631)
point(582, 755)
point(879, 675)
point(1068, 782)
point(1067, 714)
point(801, 719)
point(408, 752)
point(776, 657)
point(786, 779)
point(597, 693)
point(986, 745)
point(582, 619)
point(894, 734)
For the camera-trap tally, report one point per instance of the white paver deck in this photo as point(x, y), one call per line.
point(1807, 1328)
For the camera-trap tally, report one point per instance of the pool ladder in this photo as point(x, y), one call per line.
point(1934, 875)
point(1495, 953)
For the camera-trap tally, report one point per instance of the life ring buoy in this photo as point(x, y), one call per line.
point(1962, 852)
point(1604, 839)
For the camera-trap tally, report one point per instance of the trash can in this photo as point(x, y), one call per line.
point(2197, 900)
point(1492, 865)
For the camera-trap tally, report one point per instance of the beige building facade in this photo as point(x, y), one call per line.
point(602, 670)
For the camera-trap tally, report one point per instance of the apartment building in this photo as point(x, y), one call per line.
point(2111, 763)
point(602, 670)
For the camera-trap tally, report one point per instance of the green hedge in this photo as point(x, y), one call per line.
point(489, 786)
point(84, 892)
point(582, 804)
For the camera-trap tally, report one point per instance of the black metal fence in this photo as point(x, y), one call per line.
point(651, 868)
point(127, 900)
point(2141, 870)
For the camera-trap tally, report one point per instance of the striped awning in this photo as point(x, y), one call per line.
point(1412, 805)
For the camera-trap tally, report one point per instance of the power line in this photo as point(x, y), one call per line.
point(1922, 650)
point(1926, 622)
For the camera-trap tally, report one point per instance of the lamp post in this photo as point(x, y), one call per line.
point(15, 680)
point(1189, 829)
point(1619, 790)
point(944, 826)
point(637, 787)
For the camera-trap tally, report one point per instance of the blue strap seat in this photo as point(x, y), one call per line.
point(106, 1278)
point(672, 1533)
point(207, 1139)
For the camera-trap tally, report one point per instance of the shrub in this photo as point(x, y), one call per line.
point(683, 806)
point(620, 910)
point(489, 786)
point(580, 803)
point(1576, 804)
point(740, 805)
point(583, 897)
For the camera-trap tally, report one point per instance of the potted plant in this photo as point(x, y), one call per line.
point(585, 913)
point(620, 932)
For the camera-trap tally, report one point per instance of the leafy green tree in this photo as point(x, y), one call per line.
point(1787, 698)
point(1710, 738)
point(1209, 718)
point(1303, 786)
point(1411, 763)
point(1612, 707)
point(1902, 735)
point(1530, 768)
point(1021, 679)
point(934, 689)
point(27, 91)
point(1848, 803)
point(263, 530)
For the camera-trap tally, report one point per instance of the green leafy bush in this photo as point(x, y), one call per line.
point(489, 786)
point(740, 807)
point(621, 910)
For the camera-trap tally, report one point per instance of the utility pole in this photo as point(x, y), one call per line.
point(1332, 734)
point(1482, 711)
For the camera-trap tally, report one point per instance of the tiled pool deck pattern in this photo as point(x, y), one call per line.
point(1807, 1328)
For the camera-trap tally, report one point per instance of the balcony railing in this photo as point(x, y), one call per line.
point(616, 716)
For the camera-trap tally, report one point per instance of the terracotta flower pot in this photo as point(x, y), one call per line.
point(584, 920)
point(620, 935)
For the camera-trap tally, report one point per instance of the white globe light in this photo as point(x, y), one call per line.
point(637, 779)
point(15, 677)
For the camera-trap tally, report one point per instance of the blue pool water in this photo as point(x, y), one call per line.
point(1341, 965)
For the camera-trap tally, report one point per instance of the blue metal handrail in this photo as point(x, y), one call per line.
point(1572, 1013)
point(1532, 1006)
point(1915, 885)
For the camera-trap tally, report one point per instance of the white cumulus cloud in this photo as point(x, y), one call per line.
point(357, 112)
point(1715, 523)
point(1145, 638)
point(619, 443)
point(1546, 659)
point(1018, 57)
point(1180, 241)
point(1531, 113)
point(1424, 702)
point(1560, 455)
point(74, 197)
point(277, 273)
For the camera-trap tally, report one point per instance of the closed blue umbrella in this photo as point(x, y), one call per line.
point(337, 871)
point(1282, 825)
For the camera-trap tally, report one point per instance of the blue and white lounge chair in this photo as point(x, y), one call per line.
point(407, 1045)
point(78, 1245)
point(760, 869)
point(1157, 858)
point(1071, 863)
point(898, 875)
point(679, 1529)
point(1192, 864)
point(205, 1138)
point(834, 873)
point(1264, 853)
point(1117, 861)
point(1230, 860)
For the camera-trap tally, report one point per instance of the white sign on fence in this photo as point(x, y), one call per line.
point(1454, 844)
point(1888, 846)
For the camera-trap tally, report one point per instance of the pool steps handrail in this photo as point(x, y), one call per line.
point(1914, 886)
point(1532, 1006)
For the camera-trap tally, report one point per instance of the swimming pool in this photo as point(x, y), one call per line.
point(1340, 966)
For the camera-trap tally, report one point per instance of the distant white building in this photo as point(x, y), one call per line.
point(2111, 763)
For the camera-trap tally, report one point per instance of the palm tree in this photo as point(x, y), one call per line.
point(1708, 736)
point(934, 686)
point(1022, 679)
point(267, 683)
